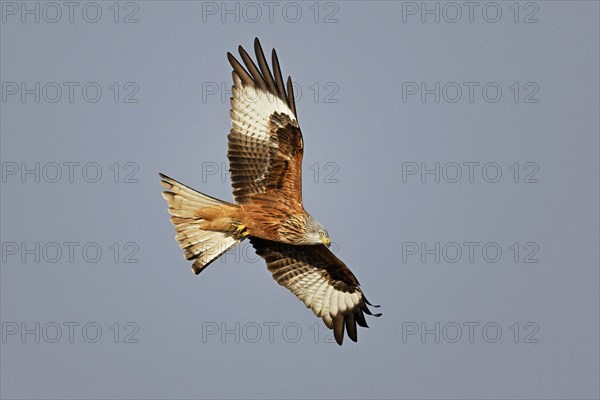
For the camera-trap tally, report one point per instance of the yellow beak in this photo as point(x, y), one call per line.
point(326, 241)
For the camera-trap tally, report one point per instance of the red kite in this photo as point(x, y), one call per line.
point(265, 157)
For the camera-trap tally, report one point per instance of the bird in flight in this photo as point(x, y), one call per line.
point(265, 156)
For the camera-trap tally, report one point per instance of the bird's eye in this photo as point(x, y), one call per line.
point(321, 233)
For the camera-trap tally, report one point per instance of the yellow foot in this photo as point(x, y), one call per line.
point(240, 228)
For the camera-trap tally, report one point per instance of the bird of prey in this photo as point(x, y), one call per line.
point(265, 156)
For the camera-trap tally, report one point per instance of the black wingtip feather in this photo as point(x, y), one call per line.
point(351, 327)
point(239, 70)
point(278, 77)
point(259, 80)
point(290, 94)
point(360, 318)
point(264, 66)
point(369, 303)
point(367, 311)
point(338, 329)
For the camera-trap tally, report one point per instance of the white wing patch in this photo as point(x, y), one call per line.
point(330, 301)
point(252, 109)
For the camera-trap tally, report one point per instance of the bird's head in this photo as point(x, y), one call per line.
point(316, 233)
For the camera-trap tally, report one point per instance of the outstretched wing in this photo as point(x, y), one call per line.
point(321, 280)
point(265, 142)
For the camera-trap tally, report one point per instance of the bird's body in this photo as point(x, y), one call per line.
point(265, 156)
point(270, 220)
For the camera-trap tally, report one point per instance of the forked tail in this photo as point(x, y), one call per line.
point(198, 244)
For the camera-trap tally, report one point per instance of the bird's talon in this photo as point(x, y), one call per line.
point(240, 228)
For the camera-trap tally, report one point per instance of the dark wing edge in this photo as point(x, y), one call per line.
point(322, 281)
point(261, 77)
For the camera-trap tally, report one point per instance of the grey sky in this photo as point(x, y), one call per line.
point(460, 319)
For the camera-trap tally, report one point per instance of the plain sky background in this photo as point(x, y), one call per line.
point(362, 129)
